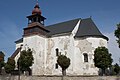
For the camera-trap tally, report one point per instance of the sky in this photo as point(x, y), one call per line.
point(105, 14)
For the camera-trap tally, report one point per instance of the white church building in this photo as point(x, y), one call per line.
point(77, 39)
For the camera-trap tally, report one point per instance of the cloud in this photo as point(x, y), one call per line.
point(113, 47)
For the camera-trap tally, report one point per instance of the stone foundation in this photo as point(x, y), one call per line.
point(59, 78)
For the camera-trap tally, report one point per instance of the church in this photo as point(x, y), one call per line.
point(77, 39)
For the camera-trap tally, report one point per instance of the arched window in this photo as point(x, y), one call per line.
point(85, 57)
point(57, 51)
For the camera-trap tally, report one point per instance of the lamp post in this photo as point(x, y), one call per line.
point(19, 63)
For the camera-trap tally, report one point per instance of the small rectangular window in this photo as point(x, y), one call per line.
point(85, 57)
point(57, 52)
point(56, 66)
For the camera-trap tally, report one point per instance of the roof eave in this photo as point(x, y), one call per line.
point(100, 36)
point(60, 34)
point(19, 41)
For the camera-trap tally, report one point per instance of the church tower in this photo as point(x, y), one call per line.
point(35, 37)
point(35, 23)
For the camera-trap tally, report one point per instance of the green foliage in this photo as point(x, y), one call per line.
point(102, 58)
point(1, 59)
point(2, 63)
point(63, 62)
point(10, 65)
point(25, 60)
point(117, 34)
point(116, 68)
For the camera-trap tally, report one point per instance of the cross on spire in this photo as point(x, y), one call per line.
point(37, 1)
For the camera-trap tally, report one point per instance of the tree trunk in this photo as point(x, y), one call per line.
point(103, 72)
point(63, 72)
point(62, 78)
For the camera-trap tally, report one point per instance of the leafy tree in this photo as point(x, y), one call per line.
point(111, 70)
point(64, 63)
point(117, 34)
point(10, 65)
point(102, 58)
point(1, 60)
point(116, 68)
point(25, 60)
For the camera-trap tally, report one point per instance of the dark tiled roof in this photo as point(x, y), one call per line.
point(19, 41)
point(64, 27)
point(88, 28)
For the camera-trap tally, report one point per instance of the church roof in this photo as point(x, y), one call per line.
point(88, 28)
point(64, 27)
point(19, 41)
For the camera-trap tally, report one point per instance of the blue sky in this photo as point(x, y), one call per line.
point(105, 14)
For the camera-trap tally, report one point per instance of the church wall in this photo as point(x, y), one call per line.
point(45, 59)
point(16, 59)
point(73, 49)
point(18, 45)
point(37, 44)
point(86, 45)
point(64, 46)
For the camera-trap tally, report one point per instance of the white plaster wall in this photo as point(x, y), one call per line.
point(18, 45)
point(65, 44)
point(16, 59)
point(97, 42)
point(86, 45)
point(37, 44)
point(45, 55)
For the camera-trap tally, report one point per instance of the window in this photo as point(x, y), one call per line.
point(56, 66)
point(35, 19)
point(31, 30)
point(57, 51)
point(85, 57)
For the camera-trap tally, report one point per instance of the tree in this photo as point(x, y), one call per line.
point(64, 63)
point(116, 68)
point(25, 60)
point(102, 58)
point(10, 65)
point(117, 34)
point(1, 60)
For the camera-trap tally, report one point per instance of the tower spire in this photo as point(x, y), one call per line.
point(36, 9)
point(36, 15)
